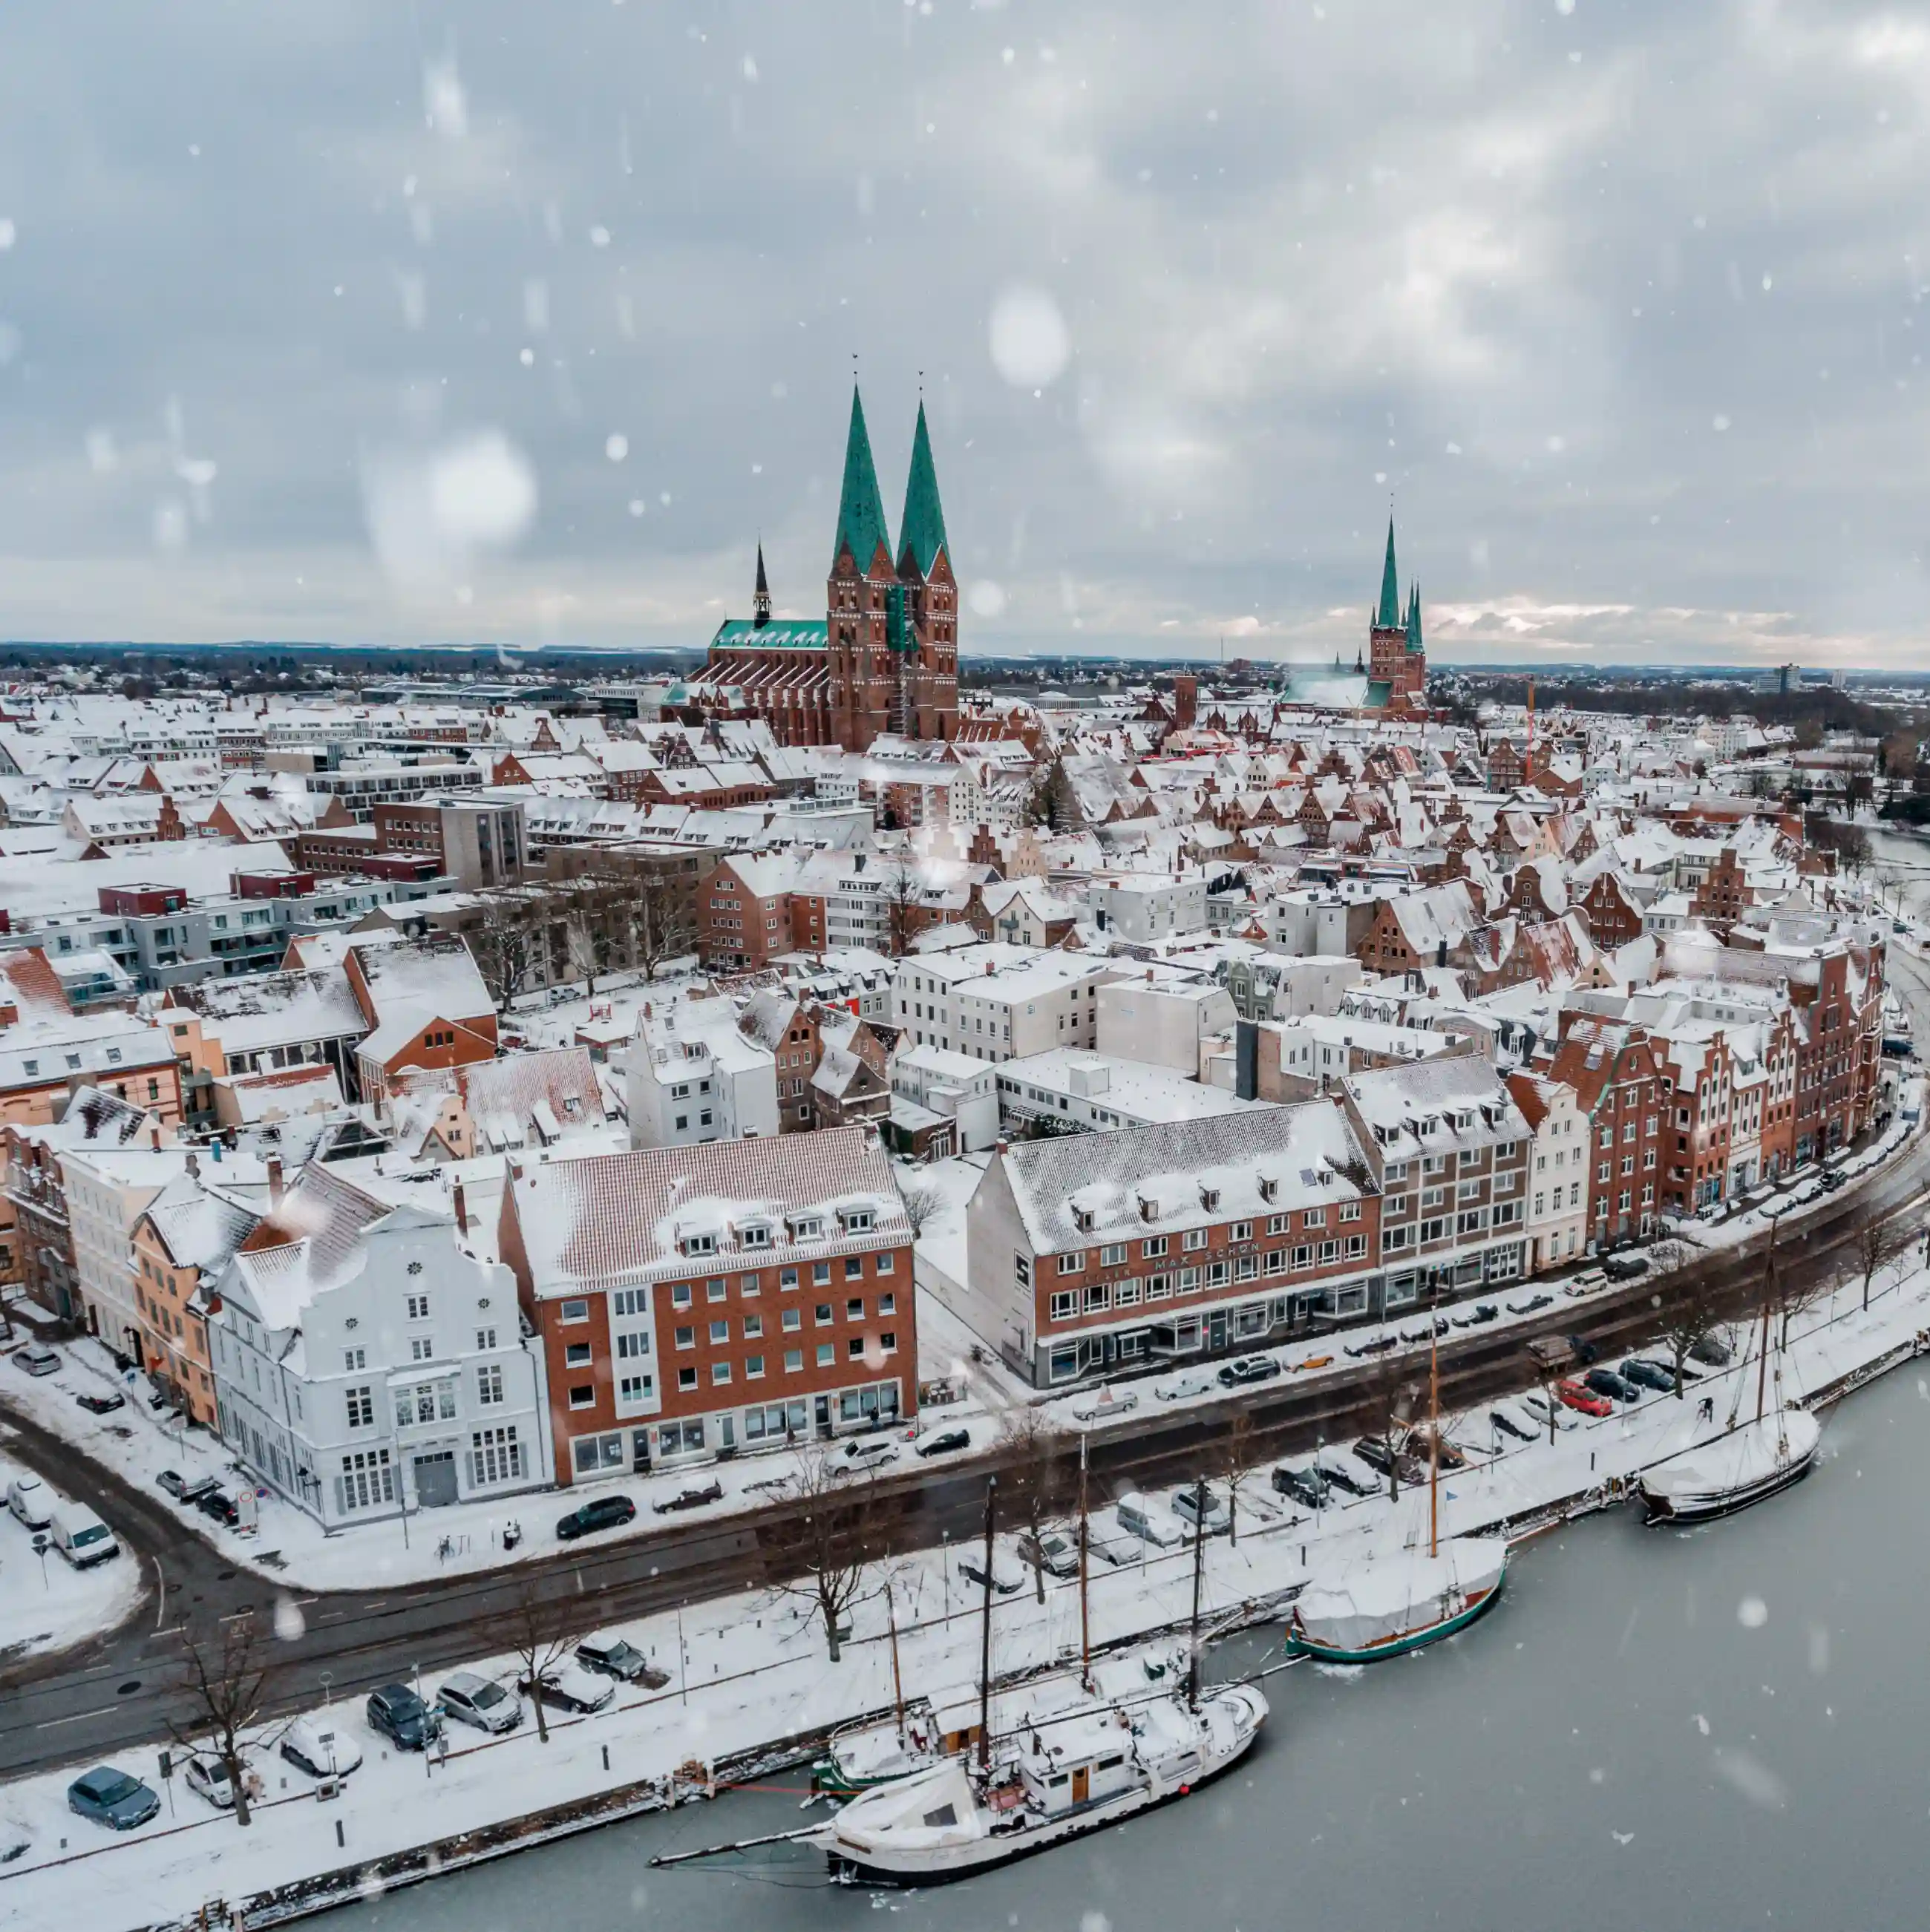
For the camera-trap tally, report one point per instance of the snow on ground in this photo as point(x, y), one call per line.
point(45, 1603)
point(749, 1670)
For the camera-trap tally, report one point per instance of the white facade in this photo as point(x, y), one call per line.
point(1143, 907)
point(1163, 1017)
point(1557, 1182)
point(690, 1081)
point(1096, 1091)
point(999, 1002)
point(965, 1090)
point(105, 1194)
point(398, 1378)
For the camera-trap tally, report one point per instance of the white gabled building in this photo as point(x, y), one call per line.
point(366, 1363)
point(997, 1002)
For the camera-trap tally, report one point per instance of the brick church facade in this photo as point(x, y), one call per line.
point(884, 660)
point(1396, 657)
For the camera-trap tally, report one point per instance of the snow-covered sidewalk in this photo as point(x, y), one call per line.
point(750, 1671)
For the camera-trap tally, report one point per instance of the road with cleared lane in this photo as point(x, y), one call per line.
point(121, 1689)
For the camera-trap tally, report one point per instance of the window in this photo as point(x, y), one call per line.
point(489, 1386)
point(679, 1295)
point(753, 1327)
point(720, 1333)
point(720, 1372)
point(365, 1480)
point(353, 1359)
point(1072, 1263)
point(422, 1347)
point(854, 1311)
point(1153, 1247)
point(1064, 1305)
point(361, 1407)
point(630, 1346)
point(716, 1290)
point(887, 1304)
point(634, 1301)
point(576, 1311)
point(686, 1379)
point(576, 1355)
point(827, 1354)
point(418, 1308)
point(794, 1360)
point(685, 1338)
point(753, 1368)
point(887, 1261)
point(485, 1338)
point(821, 1315)
point(583, 1395)
point(495, 1456)
point(592, 1455)
point(854, 1267)
point(1350, 1210)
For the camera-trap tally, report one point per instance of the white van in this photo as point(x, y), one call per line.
point(31, 1500)
point(1147, 1521)
point(81, 1536)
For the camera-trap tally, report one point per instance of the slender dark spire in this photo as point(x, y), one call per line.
point(1387, 617)
point(1413, 618)
point(861, 524)
point(921, 530)
point(761, 597)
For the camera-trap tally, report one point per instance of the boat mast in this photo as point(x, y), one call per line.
point(1434, 1387)
point(985, 1635)
point(1768, 1296)
point(1198, 1564)
point(1084, 1612)
point(897, 1681)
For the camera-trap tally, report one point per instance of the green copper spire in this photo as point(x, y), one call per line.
point(861, 526)
point(1413, 618)
point(921, 530)
point(1388, 618)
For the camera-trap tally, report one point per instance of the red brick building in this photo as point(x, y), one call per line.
point(1617, 1077)
point(737, 1295)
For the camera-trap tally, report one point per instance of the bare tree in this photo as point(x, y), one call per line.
point(1030, 1488)
point(1878, 1243)
point(507, 943)
point(1391, 1394)
point(923, 1199)
point(662, 927)
point(228, 1669)
point(822, 1548)
point(1689, 1318)
point(541, 1634)
point(1238, 1456)
point(905, 909)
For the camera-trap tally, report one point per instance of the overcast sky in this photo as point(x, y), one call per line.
point(385, 321)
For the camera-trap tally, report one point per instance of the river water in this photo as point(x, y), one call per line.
point(1700, 1729)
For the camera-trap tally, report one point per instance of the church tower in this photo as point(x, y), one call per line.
point(1396, 656)
point(927, 639)
point(859, 596)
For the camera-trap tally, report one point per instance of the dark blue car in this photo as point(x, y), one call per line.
point(112, 1798)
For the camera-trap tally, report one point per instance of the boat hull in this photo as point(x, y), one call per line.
point(1299, 1645)
point(902, 1866)
point(1715, 1504)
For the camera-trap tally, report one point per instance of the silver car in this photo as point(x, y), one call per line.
point(480, 1701)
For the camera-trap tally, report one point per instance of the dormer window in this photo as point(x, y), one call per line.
point(700, 1244)
point(857, 1220)
point(1082, 1219)
point(1269, 1187)
point(806, 1227)
point(1209, 1198)
point(757, 1235)
point(1149, 1208)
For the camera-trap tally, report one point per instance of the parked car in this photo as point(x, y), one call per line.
point(1248, 1368)
point(946, 1442)
point(36, 1359)
point(1309, 1485)
point(1644, 1374)
point(1115, 1551)
point(1313, 1362)
point(1202, 1508)
point(1375, 1452)
point(712, 1492)
point(868, 1452)
point(1508, 1425)
point(1584, 1350)
point(1606, 1381)
point(1544, 1412)
point(172, 1480)
point(1101, 1404)
point(1481, 1313)
point(112, 1798)
point(1577, 1396)
point(1625, 1267)
point(1147, 1521)
point(1053, 1551)
point(1420, 1445)
point(315, 1744)
point(186, 1489)
point(206, 1775)
point(1339, 1477)
point(31, 1501)
point(617, 1656)
point(101, 1405)
point(481, 1701)
point(396, 1713)
point(600, 1513)
point(1830, 1179)
point(971, 1568)
point(569, 1687)
point(80, 1536)
point(1713, 1350)
point(1195, 1382)
point(216, 1502)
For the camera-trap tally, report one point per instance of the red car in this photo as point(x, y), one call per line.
point(1575, 1395)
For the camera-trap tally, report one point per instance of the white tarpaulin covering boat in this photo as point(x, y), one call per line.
point(1752, 1461)
point(1381, 1605)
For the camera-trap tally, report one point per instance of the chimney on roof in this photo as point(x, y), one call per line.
point(461, 1207)
point(274, 1182)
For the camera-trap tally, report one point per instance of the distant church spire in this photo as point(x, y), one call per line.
point(1387, 617)
point(760, 596)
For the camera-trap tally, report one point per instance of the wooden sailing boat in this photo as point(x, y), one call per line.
point(1749, 1462)
point(1363, 1611)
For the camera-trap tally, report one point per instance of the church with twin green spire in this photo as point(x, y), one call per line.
point(884, 662)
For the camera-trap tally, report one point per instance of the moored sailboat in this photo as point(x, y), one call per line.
point(1385, 1606)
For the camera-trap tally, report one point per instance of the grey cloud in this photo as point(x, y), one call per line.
point(1653, 274)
